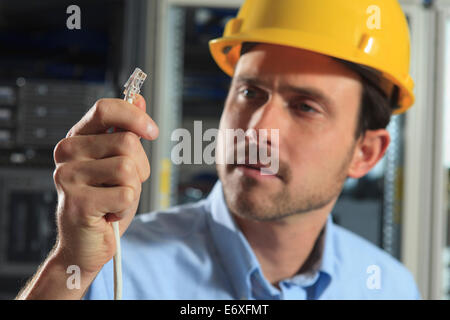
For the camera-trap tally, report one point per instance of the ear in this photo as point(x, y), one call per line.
point(368, 151)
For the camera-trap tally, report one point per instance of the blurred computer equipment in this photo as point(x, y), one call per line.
point(49, 77)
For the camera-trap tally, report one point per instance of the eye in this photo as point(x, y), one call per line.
point(250, 93)
point(251, 96)
point(304, 107)
point(307, 108)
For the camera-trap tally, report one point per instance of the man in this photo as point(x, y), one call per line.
point(312, 70)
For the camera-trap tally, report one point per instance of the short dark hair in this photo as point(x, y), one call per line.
point(376, 105)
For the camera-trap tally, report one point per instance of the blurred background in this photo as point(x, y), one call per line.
point(51, 75)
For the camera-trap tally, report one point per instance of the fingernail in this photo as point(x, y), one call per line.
point(150, 131)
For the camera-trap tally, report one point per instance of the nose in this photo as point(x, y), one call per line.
point(269, 116)
point(264, 131)
point(266, 125)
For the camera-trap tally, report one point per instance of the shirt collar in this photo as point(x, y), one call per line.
point(328, 256)
point(237, 255)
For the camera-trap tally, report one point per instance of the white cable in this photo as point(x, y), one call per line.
point(117, 263)
point(132, 87)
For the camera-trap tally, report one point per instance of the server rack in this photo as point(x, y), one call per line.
point(440, 237)
point(49, 77)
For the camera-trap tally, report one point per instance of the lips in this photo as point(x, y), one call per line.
point(255, 166)
point(255, 170)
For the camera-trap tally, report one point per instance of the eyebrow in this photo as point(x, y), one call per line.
point(305, 90)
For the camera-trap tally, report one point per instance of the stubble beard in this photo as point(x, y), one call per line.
point(241, 199)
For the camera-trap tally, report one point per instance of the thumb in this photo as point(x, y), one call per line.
point(139, 102)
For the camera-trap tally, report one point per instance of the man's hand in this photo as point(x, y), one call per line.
point(98, 178)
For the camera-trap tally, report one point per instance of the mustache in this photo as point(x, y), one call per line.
point(260, 155)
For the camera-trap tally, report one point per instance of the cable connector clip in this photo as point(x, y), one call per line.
point(134, 84)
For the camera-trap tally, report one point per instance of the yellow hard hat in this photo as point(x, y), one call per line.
point(366, 32)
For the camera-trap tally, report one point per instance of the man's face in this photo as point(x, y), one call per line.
point(313, 101)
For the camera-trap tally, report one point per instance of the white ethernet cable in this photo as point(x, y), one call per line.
point(132, 88)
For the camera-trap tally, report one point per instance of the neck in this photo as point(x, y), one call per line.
point(283, 246)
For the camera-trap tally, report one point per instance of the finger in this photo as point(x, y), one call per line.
point(117, 113)
point(95, 147)
point(114, 200)
point(112, 204)
point(117, 171)
point(140, 102)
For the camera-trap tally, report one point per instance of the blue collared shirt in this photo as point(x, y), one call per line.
point(196, 251)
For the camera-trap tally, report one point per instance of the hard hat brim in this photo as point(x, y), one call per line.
point(226, 53)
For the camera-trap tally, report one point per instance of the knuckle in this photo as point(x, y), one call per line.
point(59, 174)
point(125, 167)
point(63, 149)
point(66, 174)
point(126, 195)
point(100, 109)
point(129, 141)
